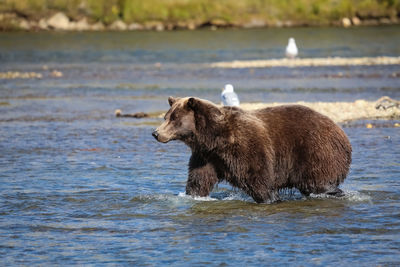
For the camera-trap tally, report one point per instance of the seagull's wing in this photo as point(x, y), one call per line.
point(230, 99)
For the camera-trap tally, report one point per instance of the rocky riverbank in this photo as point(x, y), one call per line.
point(59, 21)
point(339, 112)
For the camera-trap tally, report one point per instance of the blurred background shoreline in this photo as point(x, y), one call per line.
point(159, 15)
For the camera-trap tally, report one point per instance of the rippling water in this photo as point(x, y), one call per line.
point(79, 186)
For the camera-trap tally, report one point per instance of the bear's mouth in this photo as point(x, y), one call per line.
point(163, 140)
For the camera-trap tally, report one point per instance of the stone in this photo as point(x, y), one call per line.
point(33, 25)
point(8, 16)
point(370, 22)
point(135, 27)
point(82, 25)
point(170, 26)
point(278, 24)
point(72, 26)
point(59, 21)
point(259, 23)
point(346, 22)
point(394, 20)
point(42, 24)
point(24, 24)
point(384, 21)
point(219, 23)
point(191, 26)
point(356, 21)
point(154, 25)
point(98, 26)
point(159, 27)
point(118, 25)
point(56, 74)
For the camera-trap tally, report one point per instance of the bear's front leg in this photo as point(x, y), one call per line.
point(202, 177)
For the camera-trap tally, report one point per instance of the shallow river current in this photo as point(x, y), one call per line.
point(80, 186)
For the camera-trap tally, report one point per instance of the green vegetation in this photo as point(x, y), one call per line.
point(205, 11)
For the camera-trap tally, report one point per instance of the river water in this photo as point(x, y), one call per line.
point(79, 186)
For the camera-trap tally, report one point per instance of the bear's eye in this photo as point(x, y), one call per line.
point(172, 117)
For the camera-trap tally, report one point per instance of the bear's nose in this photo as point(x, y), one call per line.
point(155, 134)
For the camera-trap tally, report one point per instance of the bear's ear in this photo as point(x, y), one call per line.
point(171, 100)
point(192, 103)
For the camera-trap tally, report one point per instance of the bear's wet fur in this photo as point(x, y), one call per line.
point(261, 151)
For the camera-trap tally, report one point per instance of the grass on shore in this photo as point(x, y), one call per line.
point(203, 11)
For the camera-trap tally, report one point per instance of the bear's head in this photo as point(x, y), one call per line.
point(188, 118)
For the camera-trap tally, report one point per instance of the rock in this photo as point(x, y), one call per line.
point(43, 24)
point(82, 25)
point(346, 22)
point(288, 23)
point(170, 26)
point(33, 25)
point(56, 74)
point(159, 27)
point(154, 25)
point(219, 23)
point(394, 20)
point(278, 24)
point(370, 22)
point(356, 21)
point(8, 16)
point(180, 25)
point(118, 25)
point(135, 27)
point(24, 24)
point(259, 23)
point(384, 21)
point(137, 115)
point(191, 26)
point(59, 21)
point(98, 26)
point(72, 26)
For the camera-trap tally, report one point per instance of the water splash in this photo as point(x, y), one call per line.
point(350, 195)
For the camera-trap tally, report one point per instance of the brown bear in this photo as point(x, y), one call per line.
point(260, 151)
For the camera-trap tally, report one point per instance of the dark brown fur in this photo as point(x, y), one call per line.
point(259, 151)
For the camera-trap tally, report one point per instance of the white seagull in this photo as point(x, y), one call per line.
point(229, 97)
point(291, 49)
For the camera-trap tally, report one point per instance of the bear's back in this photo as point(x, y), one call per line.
point(294, 121)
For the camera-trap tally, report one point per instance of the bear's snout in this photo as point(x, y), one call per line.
point(155, 134)
point(161, 136)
